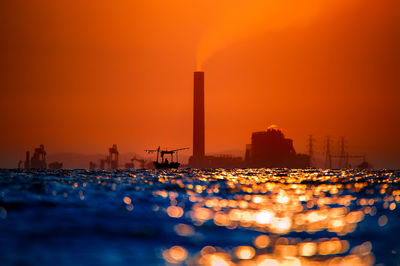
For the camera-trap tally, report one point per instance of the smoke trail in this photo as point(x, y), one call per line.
point(244, 18)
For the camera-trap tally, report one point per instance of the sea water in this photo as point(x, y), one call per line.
point(200, 217)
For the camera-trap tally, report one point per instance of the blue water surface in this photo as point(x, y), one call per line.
point(124, 217)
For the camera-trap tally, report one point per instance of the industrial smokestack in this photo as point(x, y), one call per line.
point(198, 118)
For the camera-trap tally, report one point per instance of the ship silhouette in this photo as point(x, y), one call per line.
point(164, 163)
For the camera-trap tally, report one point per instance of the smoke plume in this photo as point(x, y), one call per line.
point(241, 19)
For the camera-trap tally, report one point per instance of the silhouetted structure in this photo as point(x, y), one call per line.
point(113, 156)
point(92, 165)
point(165, 164)
point(364, 165)
point(27, 163)
point(110, 162)
point(197, 159)
point(343, 158)
point(311, 150)
point(103, 163)
point(132, 165)
point(55, 165)
point(346, 159)
point(38, 160)
point(271, 149)
point(328, 155)
point(222, 161)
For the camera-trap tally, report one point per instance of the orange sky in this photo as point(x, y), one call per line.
point(79, 76)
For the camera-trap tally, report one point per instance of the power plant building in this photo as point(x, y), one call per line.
point(270, 149)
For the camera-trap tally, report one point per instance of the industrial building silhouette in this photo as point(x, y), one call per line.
point(38, 160)
point(267, 149)
point(110, 162)
point(271, 149)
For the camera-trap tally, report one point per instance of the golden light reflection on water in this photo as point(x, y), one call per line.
point(276, 205)
point(279, 214)
point(245, 252)
point(175, 254)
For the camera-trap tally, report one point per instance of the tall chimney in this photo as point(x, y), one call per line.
point(198, 118)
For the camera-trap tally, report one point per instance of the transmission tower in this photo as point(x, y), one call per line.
point(343, 157)
point(310, 150)
point(328, 156)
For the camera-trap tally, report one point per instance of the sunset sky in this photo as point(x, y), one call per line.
point(79, 76)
